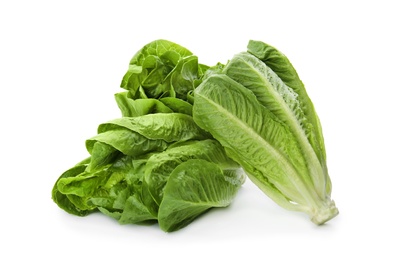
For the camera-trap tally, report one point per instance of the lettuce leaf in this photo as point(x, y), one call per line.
point(163, 69)
point(161, 165)
point(194, 187)
point(130, 164)
point(283, 102)
point(281, 65)
point(268, 128)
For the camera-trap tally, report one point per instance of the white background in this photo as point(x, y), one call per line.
point(61, 62)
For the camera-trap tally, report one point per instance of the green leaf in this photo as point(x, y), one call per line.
point(109, 144)
point(184, 75)
point(163, 69)
point(90, 189)
point(264, 145)
point(62, 200)
point(122, 200)
point(101, 153)
point(135, 211)
point(150, 69)
point(135, 136)
point(158, 48)
point(178, 105)
point(139, 107)
point(194, 187)
point(281, 65)
point(170, 127)
point(160, 165)
point(283, 102)
point(131, 79)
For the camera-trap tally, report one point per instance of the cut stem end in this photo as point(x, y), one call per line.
point(324, 214)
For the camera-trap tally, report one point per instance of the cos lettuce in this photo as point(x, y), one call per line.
point(186, 130)
point(154, 164)
point(135, 167)
point(258, 109)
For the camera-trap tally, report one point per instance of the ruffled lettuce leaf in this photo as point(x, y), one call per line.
point(194, 187)
point(131, 160)
point(163, 69)
point(161, 165)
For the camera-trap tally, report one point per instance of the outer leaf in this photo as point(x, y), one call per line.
point(281, 65)
point(160, 166)
point(115, 191)
point(122, 200)
point(135, 136)
point(99, 184)
point(283, 102)
point(261, 143)
point(168, 127)
point(82, 185)
point(62, 200)
point(101, 153)
point(135, 211)
point(194, 187)
point(106, 146)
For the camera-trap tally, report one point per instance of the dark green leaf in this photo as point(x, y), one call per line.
point(194, 187)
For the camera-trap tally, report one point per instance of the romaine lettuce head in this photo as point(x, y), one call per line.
point(258, 109)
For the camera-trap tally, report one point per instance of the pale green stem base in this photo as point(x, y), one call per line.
point(324, 214)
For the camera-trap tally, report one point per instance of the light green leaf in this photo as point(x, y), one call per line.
point(263, 144)
point(283, 102)
point(281, 65)
point(253, 137)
